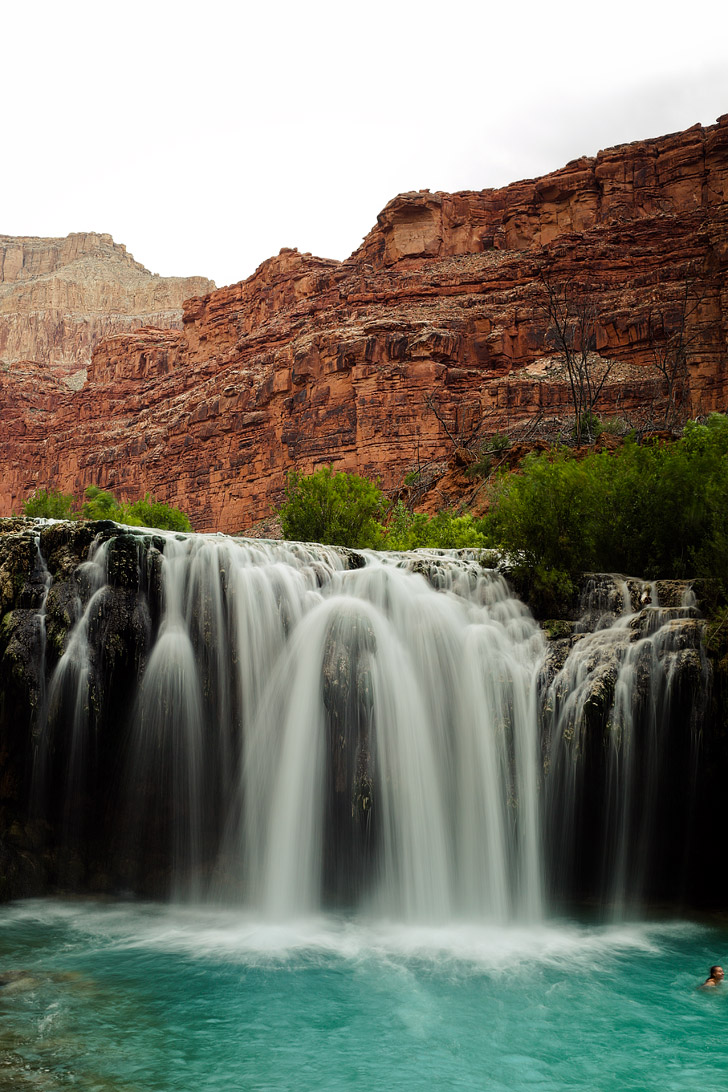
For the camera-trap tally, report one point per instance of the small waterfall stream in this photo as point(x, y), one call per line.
point(610, 703)
point(392, 734)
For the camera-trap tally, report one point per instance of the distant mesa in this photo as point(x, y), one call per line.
point(60, 297)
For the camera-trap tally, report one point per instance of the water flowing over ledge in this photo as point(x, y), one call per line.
point(291, 728)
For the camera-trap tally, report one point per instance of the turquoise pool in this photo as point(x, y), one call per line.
point(134, 997)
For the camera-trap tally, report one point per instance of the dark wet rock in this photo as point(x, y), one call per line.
point(353, 559)
point(63, 608)
point(557, 652)
point(17, 562)
point(20, 654)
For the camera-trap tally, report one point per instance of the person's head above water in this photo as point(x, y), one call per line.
point(715, 977)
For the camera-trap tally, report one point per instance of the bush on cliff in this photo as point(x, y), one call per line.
point(48, 504)
point(100, 504)
point(333, 508)
point(408, 530)
point(149, 512)
point(655, 509)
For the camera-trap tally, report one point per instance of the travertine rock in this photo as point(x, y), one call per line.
point(392, 357)
point(59, 297)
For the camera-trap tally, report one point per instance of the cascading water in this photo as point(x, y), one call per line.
point(425, 696)
point(306, 727)
point(69, 688)
point(608, 707)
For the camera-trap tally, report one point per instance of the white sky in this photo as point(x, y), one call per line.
point(207, 136)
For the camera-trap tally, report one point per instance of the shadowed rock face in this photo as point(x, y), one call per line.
point(312, 361)
point(43, 590)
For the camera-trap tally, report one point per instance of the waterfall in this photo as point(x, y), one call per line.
point(300, 727)
point(427, 693)
point(70, 691)
point(609, 706)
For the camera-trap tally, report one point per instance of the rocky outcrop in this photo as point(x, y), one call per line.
point(434, 330)
point(60, 297)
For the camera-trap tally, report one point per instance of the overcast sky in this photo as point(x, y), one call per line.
point(207, 136)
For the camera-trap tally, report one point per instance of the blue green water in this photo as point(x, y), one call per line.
point(128, 997)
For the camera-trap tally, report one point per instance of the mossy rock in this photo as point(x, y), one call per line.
point(124, 561)
point(17, 561)
point(557, 629)
point(62, 609)
point(66, 545)
point(672, 593)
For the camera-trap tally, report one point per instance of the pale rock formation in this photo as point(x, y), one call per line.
point(60, 297)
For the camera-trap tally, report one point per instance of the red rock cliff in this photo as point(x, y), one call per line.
point(310, 361)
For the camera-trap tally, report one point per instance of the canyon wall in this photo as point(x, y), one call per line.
point(434, 329)
point(60, 297)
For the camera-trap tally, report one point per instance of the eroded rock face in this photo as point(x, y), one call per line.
point(59, 297)
point(391, 358)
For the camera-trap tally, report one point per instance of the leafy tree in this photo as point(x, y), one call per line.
point(335, 509)
point(543, 514)
point(100, 504)
point(50, 504)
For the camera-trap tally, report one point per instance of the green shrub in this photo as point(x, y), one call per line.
point(543, 516)
point(100, 505)
point(591, 427)
point(49, 504)
point(499, 443)
point(449, 531)
point(406, 530)
point(446, 531)
point(653, 509)
point(481, 467)
point(614, 426)
point(346, 510)
point(149, 512)
point(335, 509)
point(491, 450)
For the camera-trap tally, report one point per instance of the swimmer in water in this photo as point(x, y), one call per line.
point(714, 979)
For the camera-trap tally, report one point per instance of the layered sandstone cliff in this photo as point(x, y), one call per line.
point(60, 297)
point(434, 327)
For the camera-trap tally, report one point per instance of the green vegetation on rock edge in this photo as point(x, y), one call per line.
point(657, 509)
point(99, 504)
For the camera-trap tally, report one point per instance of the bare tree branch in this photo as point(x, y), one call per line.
point(571, 318)
point(672, 343)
